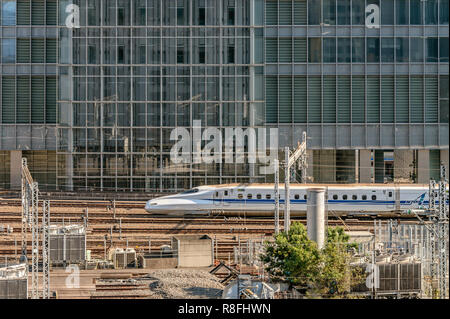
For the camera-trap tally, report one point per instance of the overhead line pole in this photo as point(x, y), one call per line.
point(290, 160)
point(277, 197)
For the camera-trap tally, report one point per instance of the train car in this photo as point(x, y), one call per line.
point(258, 199)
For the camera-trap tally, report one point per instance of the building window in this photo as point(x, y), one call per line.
point(231, 19)
point(141, 16)
point(201, 16)
point(120, 55)
point(329, 12)
point(180, 16)
point(416, 45)
point(415, 11)
point(401, 12)
point(120, 16)
point(387, 49)
point(401, 49)
point(358, 12)
point(230, 54)
point(8, 12)
point(344, 50)
point(343, 12)
point(314, 12)
point(142, 54)
point(432, 50)
point(358, 48)
point(180, 55)
point(8, 50)
point(315, 55)
point(387, 12)
point(431, 12)
point(443, 12)
point(201, 54)
point(373, 50)
point(329, 50)
point(443, 49)
point(92, 55)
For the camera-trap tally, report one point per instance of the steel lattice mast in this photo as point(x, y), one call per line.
point(45, 249)
point(35, 241)
point(442, 226)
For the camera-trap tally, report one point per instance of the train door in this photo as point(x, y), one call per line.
point(389, 195)
point(225, 197)
point(218, 198)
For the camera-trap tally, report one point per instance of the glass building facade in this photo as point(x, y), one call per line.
point(93, 107)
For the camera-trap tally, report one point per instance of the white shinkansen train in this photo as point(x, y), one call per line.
point(258, 199)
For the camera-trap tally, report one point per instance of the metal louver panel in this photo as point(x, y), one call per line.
point(300, 99)
point(431, 99)
point(358, 102)
point(51, 50)
point(51, 12)
point(37, 12)
point(8, 100)
point(37, 51)
point(23, 100)
point(271, 12)
point(271, 99)
point(300, 12)
point(23, 50)
point(300, 52)
point(329, 99)
point(23, 12)
point(344, 110)
point(285, 48)
point(285, 104)
point(50, 100)
point(285, 12)
point(416, 99)
point(402, 99)
point(387, 99)
point(37, 99)
point(373, 99)
point(271, 50)
point(314, 99)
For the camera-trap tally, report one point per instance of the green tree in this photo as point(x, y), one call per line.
point(296, 259)
point(293, 258)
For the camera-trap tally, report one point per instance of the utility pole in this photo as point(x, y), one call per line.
point(290, 160)
point(277, 197)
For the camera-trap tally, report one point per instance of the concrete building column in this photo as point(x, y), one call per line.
point(15, 171)
point(444, 160)
point(364, 166)
point(403, 165)
point(423, 166)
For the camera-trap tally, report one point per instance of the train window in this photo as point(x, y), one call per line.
point(305, 197)
point(355, 197)
point(240, 196)
point(195, 190)
point(217, 194)
point(258, 196)
point(268, 196)
point(225, 193)
point(335, 197)
point(344, 197)
point(390, 194)
point(249, 196)
point(364, 197)
point(297, 196)
point(374, 197)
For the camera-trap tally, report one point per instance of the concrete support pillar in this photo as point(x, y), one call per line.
point(15, 176)
point(444, 160)
point(403, 166)
point(423, 166)
point(365, 167)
